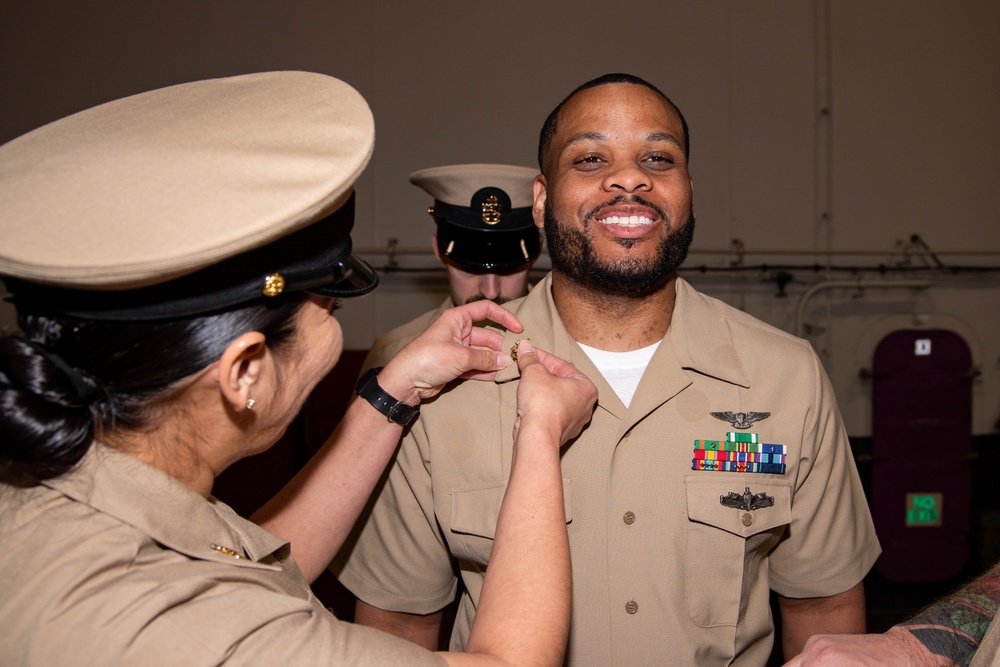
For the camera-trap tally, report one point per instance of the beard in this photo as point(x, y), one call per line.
point(572, 253)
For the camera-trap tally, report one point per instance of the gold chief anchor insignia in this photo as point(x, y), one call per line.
point(513, 348)
point(491, 210)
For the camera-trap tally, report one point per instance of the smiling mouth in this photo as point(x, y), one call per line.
point(627, 221)
point(627, 212)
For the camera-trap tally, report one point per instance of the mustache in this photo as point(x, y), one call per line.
point(480, 297)
point(627, 199)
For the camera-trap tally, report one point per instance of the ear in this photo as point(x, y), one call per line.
point(538, 207)
point(240, 367)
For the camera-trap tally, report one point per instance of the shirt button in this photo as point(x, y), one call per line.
point(629, 518)
point(631, 606)
point(747, 519)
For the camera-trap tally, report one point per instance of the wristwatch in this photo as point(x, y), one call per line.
point(395, 411)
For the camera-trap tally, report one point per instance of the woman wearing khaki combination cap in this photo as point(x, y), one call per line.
point(174, 258)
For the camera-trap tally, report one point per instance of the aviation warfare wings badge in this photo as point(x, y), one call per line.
point(741, 419)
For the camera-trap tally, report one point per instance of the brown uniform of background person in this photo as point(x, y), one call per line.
point(484, 236)
point(175, 258)
point(672, 563)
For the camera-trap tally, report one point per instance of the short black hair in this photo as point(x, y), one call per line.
point(549, 127)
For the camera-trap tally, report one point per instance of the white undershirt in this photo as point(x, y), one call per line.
point(622, 370)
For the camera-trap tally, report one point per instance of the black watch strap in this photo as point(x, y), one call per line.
point(369, 389)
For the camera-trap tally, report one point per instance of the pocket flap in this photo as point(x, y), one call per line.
point(474, 511)
point(704, 503)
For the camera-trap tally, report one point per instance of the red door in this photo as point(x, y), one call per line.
point(921, 442)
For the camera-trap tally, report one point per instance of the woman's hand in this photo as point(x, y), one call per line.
point(552, 394)
point(450, 348)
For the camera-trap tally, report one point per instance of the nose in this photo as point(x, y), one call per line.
point(626, 177)
point(489, 286)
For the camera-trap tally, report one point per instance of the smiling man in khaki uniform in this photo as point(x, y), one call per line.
point(715, 469)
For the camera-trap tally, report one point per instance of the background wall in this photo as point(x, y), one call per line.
point(855, 133)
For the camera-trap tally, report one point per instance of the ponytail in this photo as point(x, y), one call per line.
point(46, 428)
point(69, 379)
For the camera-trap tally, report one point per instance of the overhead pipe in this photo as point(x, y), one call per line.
point(852, 284)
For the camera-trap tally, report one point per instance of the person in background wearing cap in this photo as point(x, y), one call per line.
point(485, 237)
point(715, 470)
point(176, 298)
point(487, 241)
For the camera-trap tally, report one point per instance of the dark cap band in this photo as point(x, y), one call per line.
point(488, 234)
point(316, 259)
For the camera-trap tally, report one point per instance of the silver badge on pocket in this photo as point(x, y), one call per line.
point(747, 501)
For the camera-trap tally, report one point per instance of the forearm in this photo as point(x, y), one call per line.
point(316, 510)
point(895, 647)
point(801, 618)
point(523, 614)
point(423, 630)
point(948, 632)
point(954, 626)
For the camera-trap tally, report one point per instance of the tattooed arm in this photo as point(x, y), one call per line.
point(948, 632)
point(954, 626)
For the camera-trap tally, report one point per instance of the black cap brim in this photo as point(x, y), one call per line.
point(359, 279)
point(489, 250)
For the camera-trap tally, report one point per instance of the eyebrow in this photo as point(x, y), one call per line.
point(598, 136)
point(664, 136)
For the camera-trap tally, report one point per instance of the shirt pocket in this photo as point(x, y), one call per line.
point(474, 515)
point(726, 545)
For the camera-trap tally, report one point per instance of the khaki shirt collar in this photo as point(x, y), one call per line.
point(166, 510)
point(698, 339)
point(702, 339)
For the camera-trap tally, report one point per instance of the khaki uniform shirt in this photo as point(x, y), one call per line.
point(389, 344)
point(663, 573)
point(116, 563)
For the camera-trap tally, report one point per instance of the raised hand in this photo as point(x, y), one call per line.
point(450, 348)
point(552, 394)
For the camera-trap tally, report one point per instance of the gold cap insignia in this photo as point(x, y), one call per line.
point(491, 210)
point(274, 284)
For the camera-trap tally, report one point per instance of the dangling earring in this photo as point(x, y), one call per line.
point(251, 403)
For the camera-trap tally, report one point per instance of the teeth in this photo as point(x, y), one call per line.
point(631, 221)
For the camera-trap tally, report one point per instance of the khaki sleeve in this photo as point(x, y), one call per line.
point(830, 545)
point(397, 558)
